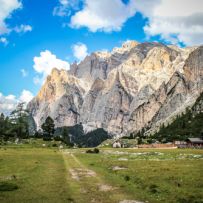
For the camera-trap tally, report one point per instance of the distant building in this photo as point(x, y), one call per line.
point(195, 142)
point(117, 144)
point(180, 143)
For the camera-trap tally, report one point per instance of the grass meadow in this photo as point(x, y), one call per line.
point(30, 173)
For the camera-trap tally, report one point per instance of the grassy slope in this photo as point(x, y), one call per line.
point(42, 175)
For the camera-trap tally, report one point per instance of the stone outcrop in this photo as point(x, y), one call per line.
point(133, 87)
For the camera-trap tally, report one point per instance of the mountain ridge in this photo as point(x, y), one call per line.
point(139, 85)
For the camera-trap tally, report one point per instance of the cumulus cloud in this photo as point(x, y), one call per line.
point(26, 96)
point(6, 9)
point(175, 20)
point(23, 28)
point(79, 51)
point(44, 63)
point(103, 15)
point(24, 73)
point(8, 103)
point(3, 40)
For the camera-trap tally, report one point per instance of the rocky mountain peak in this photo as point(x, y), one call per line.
point(139, 85)
point(129, 44)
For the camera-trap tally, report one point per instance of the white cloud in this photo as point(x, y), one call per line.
point(3, 40)
point(174, 20)
point(24, 73)
point(26, 96)
point(6, 9)
point(9, 103)
point(44, 63)
point(62, 9)
point(103, 15)
point(23, 28)
point(79, 51)
point(65, 6)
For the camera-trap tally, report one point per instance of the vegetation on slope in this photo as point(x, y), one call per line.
point(16, 125)
point(189, 124)
point(19, 125)
point(82, 139)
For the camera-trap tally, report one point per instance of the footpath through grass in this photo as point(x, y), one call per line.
point(38, 174)
point(112, 176)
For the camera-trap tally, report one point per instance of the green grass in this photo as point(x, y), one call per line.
point(40, 175)
point(174, 176)
point(36, 174)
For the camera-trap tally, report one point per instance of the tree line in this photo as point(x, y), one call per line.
point(15, 125)
point(18, 125)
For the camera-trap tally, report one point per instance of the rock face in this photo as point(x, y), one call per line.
point(133, 87)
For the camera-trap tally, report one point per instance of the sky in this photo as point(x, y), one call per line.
point(37, 35)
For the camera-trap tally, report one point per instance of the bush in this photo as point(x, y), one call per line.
point(127, 178)
point(6, 186)
point(153, 188)
point(47, 139)
point(38, 134)
point(54, 145)
point(58, 138)
point(94, 151)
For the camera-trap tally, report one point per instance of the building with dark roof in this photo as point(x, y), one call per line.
point(195, 142)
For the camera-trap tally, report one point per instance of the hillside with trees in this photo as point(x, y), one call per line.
point(16, 125)
point(188, 124)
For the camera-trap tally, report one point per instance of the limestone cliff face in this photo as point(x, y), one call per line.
point(134, 86)
point(61, 97)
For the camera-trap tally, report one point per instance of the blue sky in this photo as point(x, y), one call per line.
point(29, 27)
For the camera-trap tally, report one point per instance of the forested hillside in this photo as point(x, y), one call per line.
point(189, 124)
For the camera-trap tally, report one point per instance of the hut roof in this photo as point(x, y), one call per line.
point(195, 140)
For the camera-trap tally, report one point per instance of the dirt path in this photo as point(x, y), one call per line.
point(87, 186)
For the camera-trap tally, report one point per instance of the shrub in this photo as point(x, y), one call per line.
point(94, 151)
point(47, 139)
point(58, 138)
point(6, 186)
point(127, 178)
point(153, 188)
point(89, 151)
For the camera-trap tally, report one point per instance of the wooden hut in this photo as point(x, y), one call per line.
point(195, 142)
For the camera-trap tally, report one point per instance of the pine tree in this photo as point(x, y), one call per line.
point(2, 121)
point(19, 121)
point(48, 128)
point(66, 137)
point(2, 126)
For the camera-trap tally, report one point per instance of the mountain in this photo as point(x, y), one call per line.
point(136, 86)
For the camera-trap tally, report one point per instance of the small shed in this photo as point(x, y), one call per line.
point(117, 144)
point(195, 142)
